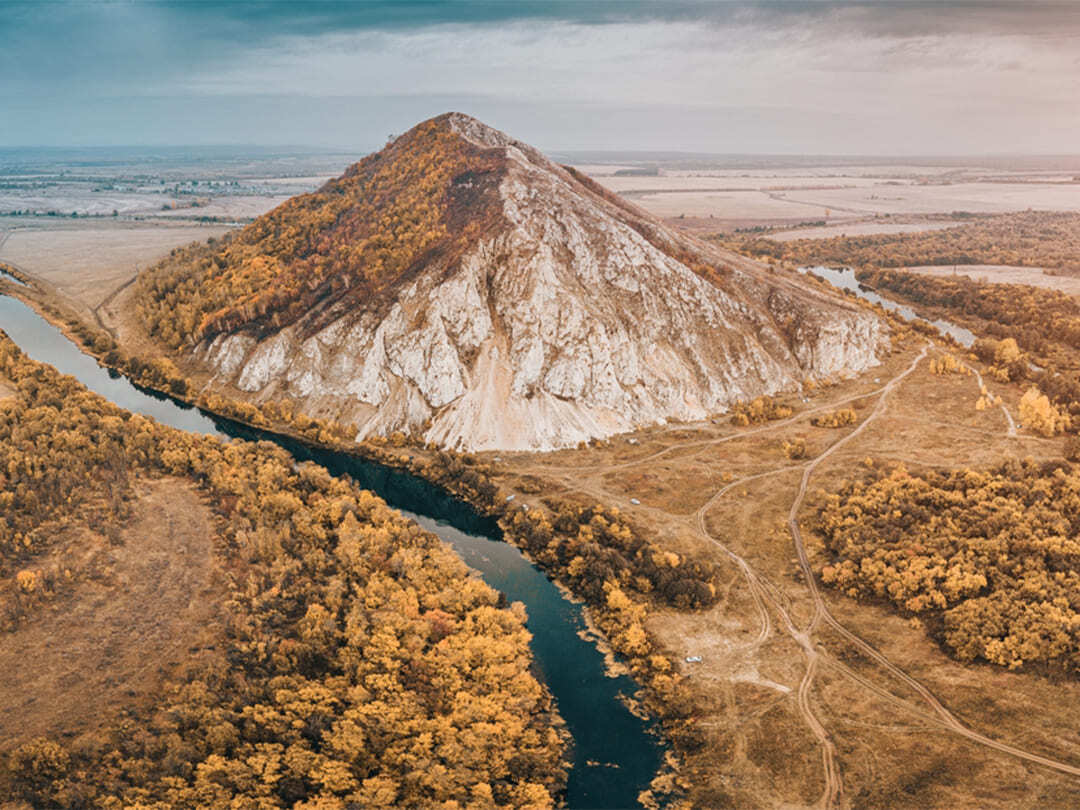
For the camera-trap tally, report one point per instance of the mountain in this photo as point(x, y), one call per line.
point(461, 285)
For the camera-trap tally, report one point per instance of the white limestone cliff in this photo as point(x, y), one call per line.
point(565, 325)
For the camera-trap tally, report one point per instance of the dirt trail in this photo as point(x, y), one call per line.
point(821, 611)
point(767, 598)
point(766, 428)
point(942, 716)
point(1004, 410)
point(108, 645)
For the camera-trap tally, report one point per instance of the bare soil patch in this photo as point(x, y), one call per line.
point(108, 643)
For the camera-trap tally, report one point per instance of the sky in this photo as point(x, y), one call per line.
point(875, 78)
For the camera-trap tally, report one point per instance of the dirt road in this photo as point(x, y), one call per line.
point(590, 480)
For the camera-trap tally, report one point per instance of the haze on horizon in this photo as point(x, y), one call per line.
point(904, 78)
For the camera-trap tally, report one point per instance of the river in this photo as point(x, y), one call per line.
point(615, 753)
point(844, 278)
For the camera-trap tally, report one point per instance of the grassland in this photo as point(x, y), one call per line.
point(877, 225)
point(844, 702)
point(806, 696)
point(87, 261)
point(1004, 274)
point(842, 197)
point(130, 612)
point(854, 199)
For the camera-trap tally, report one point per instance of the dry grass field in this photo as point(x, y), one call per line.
point(859, 228)
point(87, 262)
point(238, 208)
point(792, 708)
point(976, 197)
point(757, 205)
point(845, 192)
point(629, 185)
point(130, 612)
point(1004, 274)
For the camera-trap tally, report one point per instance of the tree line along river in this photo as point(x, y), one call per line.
point(615, 753)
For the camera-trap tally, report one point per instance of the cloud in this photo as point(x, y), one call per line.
point(864, 77)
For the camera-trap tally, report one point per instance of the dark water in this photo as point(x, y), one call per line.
point(844, 278)
point(625, 750)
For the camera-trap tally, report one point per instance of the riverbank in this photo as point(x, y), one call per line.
point(633, 588)
point(742, 717)
point(463, 478)
point(344, 647)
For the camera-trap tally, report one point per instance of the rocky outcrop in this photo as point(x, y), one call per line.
point(578, 316)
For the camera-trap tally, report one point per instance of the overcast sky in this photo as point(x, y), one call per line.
point(809, 77)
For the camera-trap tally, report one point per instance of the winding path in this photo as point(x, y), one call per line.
point(821, 611)
point(767, 602)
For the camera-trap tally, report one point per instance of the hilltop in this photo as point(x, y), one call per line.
point(460, 285)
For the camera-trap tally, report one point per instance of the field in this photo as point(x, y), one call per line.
point(82, 224)
point(1004, 274)
point(723, 205)
point(799, 699)
point(137, 609)
point(846, 195)
point(229, 210)
point(88, 260)
point(858, 201)
point(859, 228)
point(223, 182)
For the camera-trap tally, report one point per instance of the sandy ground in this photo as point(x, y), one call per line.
point(89, 262)
point(107, 645)
point(1004, 274)
point(860, 229)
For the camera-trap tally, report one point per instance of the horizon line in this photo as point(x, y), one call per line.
point(642, 153)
